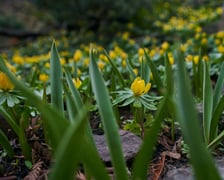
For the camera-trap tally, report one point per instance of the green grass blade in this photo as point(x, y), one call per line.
point(216, 140)
point(56, 79)
point(108, 120)
point(203, 165)
point(54, 121)
point(9, 120)
point(155, 74)
point(92, 160)
point(70, 105)
point(69, 150)
point(73, 89)
point(145, 71)
point(116, 71)
point(140, 166)
point(26, 149)
point(207, 103)
point(130, 69)
point(141, 163)
point(76, 147)
point(215, 118)
point(218, 87)
point(5, 144)
point(76, 99)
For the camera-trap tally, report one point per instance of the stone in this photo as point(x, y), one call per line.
point(130, 145)
point(186, 173)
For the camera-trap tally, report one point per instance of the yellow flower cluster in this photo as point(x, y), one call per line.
point(139, 87)
point(5, 83)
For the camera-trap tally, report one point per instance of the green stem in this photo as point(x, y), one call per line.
point(139, 118)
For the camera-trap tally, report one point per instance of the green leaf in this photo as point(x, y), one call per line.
point(148, 105)
point(121, 98)
point(76, 147)
point(92, 160)
point(10, 120)
point(215, 118)
point(207, 103)
point(216, 140)
point(155, 73)
point(6, 144)
point(73, 89)
point(108, 119)
point(218, 87)
point(70, 105)
point(75, 102)
point(145, 71)
point(55, 79)
point(128, 101)
point(137, 103)
point(116, 71)
point(69, 150)
point(54, 121)
point(141, 162)
point(26, 149)
point(130, 69)
point(2, 98)
point(203, 165)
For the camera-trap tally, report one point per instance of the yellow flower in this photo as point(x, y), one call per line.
point(189, 58)
point(170, 58)
point(47, 65)
point(5, 83)
point(11, 67)
point(77, 55)
point(113, 54)
point(221, 49)
point(205, 58)
point(139, 88)
point(124, 63)
point(101, 65)
point(140, 51)
point(43, 77)
point(77, 82)
point(165, 45)
point(204, 41)
point(196, 59)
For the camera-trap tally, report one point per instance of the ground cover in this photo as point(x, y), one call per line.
point(133, 83)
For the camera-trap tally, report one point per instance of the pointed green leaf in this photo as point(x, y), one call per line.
point(6, 144)
point(207, 102)
point(56, 79)
point(203, 165)
point(108, 119)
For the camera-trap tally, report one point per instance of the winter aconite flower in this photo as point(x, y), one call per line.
point(137, 95)
point(138, 87)
point(5, 83)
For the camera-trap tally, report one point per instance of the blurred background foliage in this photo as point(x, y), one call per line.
point(112, 15)
point(97, 19)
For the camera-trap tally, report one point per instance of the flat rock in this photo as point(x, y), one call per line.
point(186, 173)
point(130, 144)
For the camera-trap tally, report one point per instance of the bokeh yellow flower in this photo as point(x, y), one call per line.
point(196, 59)
point(77, 55)
point(139, 87)
point(77, 82)
point(43, 77)
point(220, 49)
point(5, 83)
point(140, 51)
point(101, 65)
point(170, 58)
